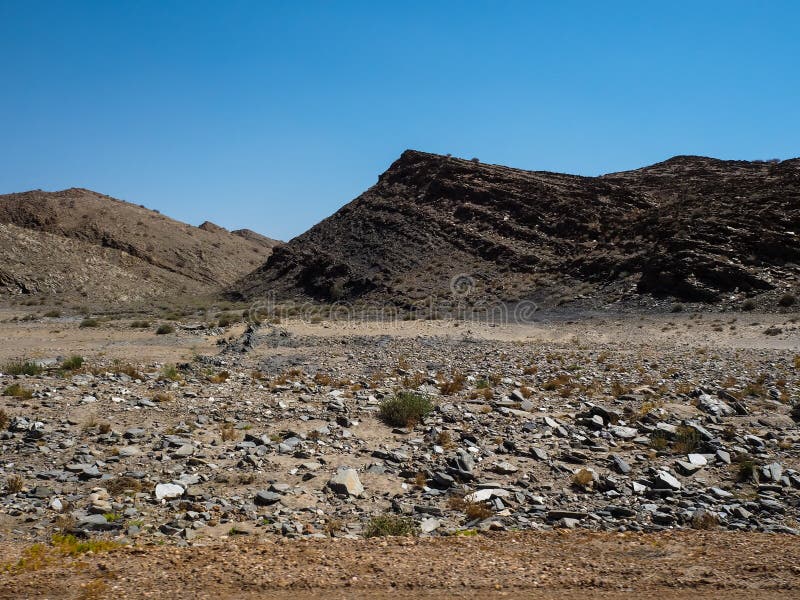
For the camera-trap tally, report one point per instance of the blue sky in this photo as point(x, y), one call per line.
point(272, 115)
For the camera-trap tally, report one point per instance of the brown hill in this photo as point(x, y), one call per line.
point(690, 228)
point(80, 243)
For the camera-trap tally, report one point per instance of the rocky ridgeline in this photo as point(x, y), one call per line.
point(290, 442)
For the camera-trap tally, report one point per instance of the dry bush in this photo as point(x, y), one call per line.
point(583, 478)
point(119, 485)
point(531, 370)
point(445, 440)
point(14, 484)
point(703, 519)
point(161, 397)
point(228, 432)
point(454, 385)
point(220, 377)
point(686, 440)
point(4, 419)
point(18, 391)
point(390, 525)
point(323, 379)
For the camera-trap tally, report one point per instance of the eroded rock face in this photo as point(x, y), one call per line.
point(690, 228)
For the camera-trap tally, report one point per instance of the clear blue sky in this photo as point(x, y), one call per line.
point(272, 115)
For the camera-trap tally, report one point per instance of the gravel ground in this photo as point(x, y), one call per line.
point(494, 565)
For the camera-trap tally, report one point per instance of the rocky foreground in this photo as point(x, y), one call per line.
point(284, 433)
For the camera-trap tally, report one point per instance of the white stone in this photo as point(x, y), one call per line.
point(167, 491)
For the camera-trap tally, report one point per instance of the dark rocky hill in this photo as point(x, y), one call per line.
point(690, 229)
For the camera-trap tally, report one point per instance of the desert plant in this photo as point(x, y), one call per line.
point(53, 314)
point(390, 525)
point(165, 329)
point(170, 373)
point(140, 325)
point(746, 470)
point(15, 390)
point(73, 363)
point(89, 322)
point(228, 432)
point(453, 385)
point(22, 367)
point(405, 408)
point(14, 484)
point(686, 440)
point(787, 300)
point(162, 397)
point(658, 441)
point(4, 419)
point(220, 377)
point(748, 305)
point(582, 478)
point(703, 519)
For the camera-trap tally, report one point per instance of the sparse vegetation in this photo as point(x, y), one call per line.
point(14, 484)
point(390, 525)
point(787, 300)
point(73, 363)
point(170, 373)
point(405, 409)
point(165, 329)
point(22, 367)
point(89, 322)
point(15, 390)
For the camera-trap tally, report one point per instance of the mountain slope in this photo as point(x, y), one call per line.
point(79, 242)
point(690, 228)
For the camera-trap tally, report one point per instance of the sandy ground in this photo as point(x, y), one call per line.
point(509, 565)
point(49, 338)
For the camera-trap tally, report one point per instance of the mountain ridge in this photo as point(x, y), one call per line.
point(660, 231)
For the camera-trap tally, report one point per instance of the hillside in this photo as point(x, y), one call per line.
point(78, 243)
point(689, 229)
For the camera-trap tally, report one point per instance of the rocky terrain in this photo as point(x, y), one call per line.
point(290, 437)
point(614, 425)
point(690, 229)
point(78, 245)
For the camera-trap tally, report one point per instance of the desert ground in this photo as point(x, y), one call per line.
point(601, 454)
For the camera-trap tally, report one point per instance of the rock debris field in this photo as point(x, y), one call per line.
point(299, 433)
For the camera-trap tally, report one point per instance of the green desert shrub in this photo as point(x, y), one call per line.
point(22, 367)
point(73, 363)
point(405, 408)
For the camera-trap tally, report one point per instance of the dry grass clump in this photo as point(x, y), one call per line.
point(583, 478)
point(14, 484)
point(471, 510)
point(16, 390)
point(22, 367)
point(390, 525)
point(161, 397)
point(228, 432)
point(703, 519)
point(454, 385)
point(165, 329)
point(4, 419)
point(220, 377)
point(119, 485)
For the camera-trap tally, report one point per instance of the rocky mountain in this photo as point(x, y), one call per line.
point(78, 243)
point(689, 229)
